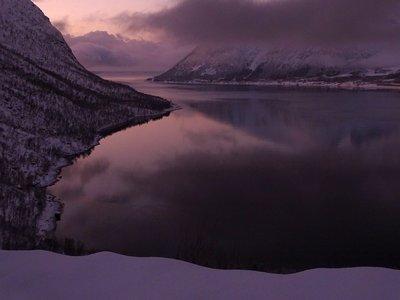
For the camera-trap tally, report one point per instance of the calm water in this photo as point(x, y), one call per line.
point(248, 177)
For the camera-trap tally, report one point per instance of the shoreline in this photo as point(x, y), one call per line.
point(47, 222)
point(346, 85)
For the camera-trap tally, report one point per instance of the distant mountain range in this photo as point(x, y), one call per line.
point(252, 65)
point(51, 109)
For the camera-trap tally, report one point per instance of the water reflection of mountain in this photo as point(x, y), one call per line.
point(309, 123)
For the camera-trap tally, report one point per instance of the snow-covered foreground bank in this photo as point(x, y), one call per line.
point(42, 275)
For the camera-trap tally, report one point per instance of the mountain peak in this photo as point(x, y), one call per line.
point(27, 31)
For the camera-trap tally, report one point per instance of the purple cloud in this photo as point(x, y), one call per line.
point(285, 21)
point(100, 49)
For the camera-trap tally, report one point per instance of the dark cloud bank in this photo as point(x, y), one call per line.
point(283, 21)
point(362, 24)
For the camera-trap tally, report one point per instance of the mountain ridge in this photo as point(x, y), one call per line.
point(51, 110)
point(252, 65)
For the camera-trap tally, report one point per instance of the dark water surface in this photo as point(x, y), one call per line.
point(259, 178)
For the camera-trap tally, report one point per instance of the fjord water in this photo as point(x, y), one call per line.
point(245, 177)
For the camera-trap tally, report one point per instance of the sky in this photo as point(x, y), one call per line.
point(180, 25)
point(84, 16)
point(95, 31)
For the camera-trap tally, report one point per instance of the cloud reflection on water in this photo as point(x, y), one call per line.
point(304, 188)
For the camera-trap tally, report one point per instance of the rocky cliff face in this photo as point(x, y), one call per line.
point(246, 64)
point(50, 108)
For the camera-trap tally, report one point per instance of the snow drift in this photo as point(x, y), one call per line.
point(41, 275)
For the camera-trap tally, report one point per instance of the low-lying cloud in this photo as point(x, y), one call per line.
point(283, 21)
point(97, 50)
point(61, 25)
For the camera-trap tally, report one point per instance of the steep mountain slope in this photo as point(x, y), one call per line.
point(50, 108)
point(247, 64)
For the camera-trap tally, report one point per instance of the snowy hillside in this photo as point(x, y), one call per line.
point(259, 65)
point(51, 108)
point(40, 275)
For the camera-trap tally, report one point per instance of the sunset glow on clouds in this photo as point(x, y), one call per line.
point(96, 32)
point(83, 16)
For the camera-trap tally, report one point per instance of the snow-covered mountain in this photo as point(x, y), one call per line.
point(249, 64)
point(51, 108)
